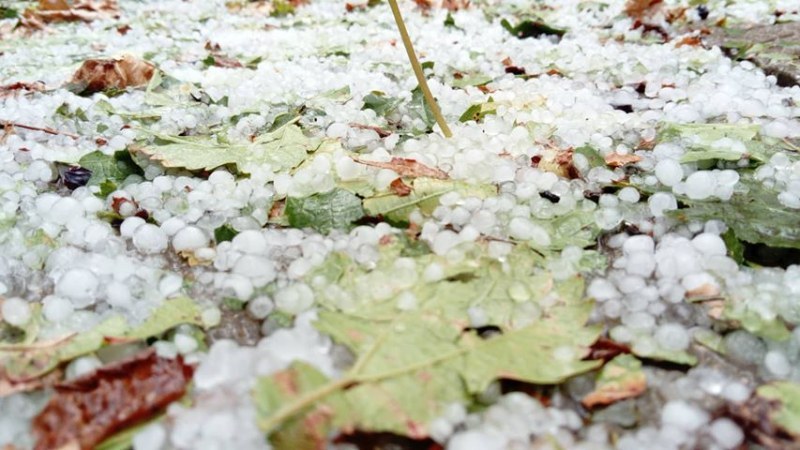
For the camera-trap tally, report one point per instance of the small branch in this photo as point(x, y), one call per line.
point(42, 129)
point(412, 57)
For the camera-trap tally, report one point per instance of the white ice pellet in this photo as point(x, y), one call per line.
point(669, 172)
point(628, 195)
point(661, 202)
point(259, 269)
point(171, 225)
point(56, 309)
point(525, 230)
point(65, 209)
point(16, 311)
point(602, 290)
point(638, 243)
point(152, 437)
point(150, 239)
point(189, 238)
point(129, 226)
point(184, 343)
point(709, 244)
point(260, 307)
point(700, 185)
point(79, 286)
point(777, 364)
point(641, 264)
point(672, 336)
point(294, 298)
point(726, 433)
point(250, 241)
point(683, 415)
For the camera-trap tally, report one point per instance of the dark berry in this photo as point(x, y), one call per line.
point(75, 177)
point(702, 11)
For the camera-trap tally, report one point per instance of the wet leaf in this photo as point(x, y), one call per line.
point(620, 378)
point(282, 149)
point(716, 141)
point(380, 103)
point(409, 368)
point(786, 413)
point(425, 196)
point(754, 213)
point(614, 159)
point(89, 409)
point(96, 75)
point(50, 11)
point(334, 210)
point(109, 168)
point(26, 362)
point(479, 111)
point(406, 167)
point(224, 233)
point(531, 29)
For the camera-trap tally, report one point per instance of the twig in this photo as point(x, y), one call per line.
point(412, 57)
point(42, 129)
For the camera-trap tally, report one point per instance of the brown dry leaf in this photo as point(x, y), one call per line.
point(97, 75)
point(618, 160)
point(606, 349)
point(424, 5)
point(399, 188)
point(50, 11)
point(381, 132)
point(455, 5)
point(12, 89)
point(556, 160)
point(640, 8)
point(406, 167)
point(621, 378)
point(9, 387)
point(91, 408)
point(692, 41)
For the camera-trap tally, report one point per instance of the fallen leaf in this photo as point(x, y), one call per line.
point(334, 210)
point(771, 417)
point(556, 160)
point(399, 188)
point(692, 41)
point(406, 167)
point(12, 89)
point(283, 149)
point(614, 159)
point(620, 378)
point(50, 11)
point(95, 406)
point(97, 75)
point(640, 8)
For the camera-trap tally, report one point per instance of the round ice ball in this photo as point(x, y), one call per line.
point(149, 238)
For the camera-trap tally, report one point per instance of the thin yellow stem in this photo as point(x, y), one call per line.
point(412, 57)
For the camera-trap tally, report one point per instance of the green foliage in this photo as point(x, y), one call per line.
point(282, 149)
point(334, 210)
point(109, 168)
point(531, 29)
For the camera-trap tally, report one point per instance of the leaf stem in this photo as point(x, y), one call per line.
point(412, 57)
point(306, 400)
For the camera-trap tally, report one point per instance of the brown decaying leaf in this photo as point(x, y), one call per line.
point(89, 409)
point(9, 387)
point(557, 161)
point(640, 8)
point(406, 167)
point(606, 349)
point(614, 159)
point(609, 394)
point(381, 132)
point(450, 5)
point(399, 188)
point(220, 58)
point(753, 416)
point(49, 11)
point(692, 41)
point(97, 75)
point(12, 89)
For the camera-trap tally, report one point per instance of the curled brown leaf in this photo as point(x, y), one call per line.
point(407, 167)
point(97, 75)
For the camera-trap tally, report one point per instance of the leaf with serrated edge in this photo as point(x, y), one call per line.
point(412, 365)
point(336, 209)
point(282, 149)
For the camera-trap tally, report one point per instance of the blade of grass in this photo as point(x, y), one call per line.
point(412, 57)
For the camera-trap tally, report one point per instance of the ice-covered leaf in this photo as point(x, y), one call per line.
point(87, 410)
point(644, 345)
point(754, 213)
point(30, 361)
point(716, 141)
point(114, 168)
point(425, 195)
point(334, 210)
point(464, 80)
point(380, 103)
point(784, 397)
point(409, 368)
point(620, 378)
point(406, 167)
point(282, 149)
